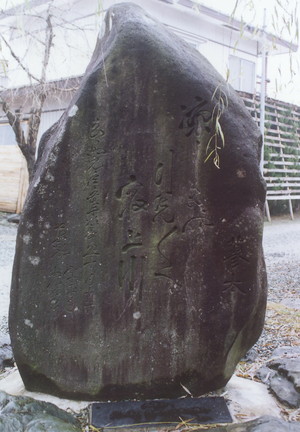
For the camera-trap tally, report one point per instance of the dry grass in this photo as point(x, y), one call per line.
point(282, 327)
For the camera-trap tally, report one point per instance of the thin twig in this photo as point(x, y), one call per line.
point(18, 60)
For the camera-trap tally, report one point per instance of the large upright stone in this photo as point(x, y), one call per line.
point(139, 266)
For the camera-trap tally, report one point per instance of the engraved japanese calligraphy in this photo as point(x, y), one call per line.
point(139, 268)
point(195, 117)
point(233, 260)
point(132, 205)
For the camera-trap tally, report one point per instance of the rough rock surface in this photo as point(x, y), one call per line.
point(19, 414)
point(6, 357)
point(262, 424)
point(284, 389)
point(6, 354)
point(282, 374)
point(139, 267)
point(15, 218)
point(250, 399)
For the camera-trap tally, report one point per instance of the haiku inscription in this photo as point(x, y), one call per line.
point(139, 268)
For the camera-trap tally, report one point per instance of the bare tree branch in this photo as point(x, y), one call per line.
point(36, 113)
point(41, 34)
point(18, 60)
point(28, 143)
point(29, 33)
point(48, 45)
point(15, 122)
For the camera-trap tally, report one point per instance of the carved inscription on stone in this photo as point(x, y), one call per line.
point(164, 213)
point(139, 267)
point(165, 267)
point(131, 198)
point(94, 161)
point(132, 206)
point(199, 217)
point(59, 245)
point(82, 278)
point(196, 117)
point(233, 260)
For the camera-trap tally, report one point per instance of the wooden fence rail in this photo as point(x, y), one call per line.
point(282, 148)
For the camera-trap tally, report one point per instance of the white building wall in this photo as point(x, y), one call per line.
point(74, 43)
point(48, 119)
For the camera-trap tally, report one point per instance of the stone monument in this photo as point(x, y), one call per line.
point(139, 267)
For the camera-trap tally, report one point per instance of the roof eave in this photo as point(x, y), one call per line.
point(237, 25)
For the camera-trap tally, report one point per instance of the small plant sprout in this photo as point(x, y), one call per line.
point(217, 140)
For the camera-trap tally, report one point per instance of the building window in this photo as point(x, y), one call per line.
point(242, 74)
point(7, 136)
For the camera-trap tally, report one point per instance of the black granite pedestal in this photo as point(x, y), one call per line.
point(160, 412)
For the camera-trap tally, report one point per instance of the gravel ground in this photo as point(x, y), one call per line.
point(8, 232)
point(282, 254)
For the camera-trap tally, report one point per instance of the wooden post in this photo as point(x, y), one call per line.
point(268, 211)
point(291, 209)
point(23, 186)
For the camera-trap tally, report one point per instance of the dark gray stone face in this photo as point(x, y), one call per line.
point(283, 375)
point(139, 266)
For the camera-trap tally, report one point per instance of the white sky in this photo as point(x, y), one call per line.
point(6, 4)
point(283, 70)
